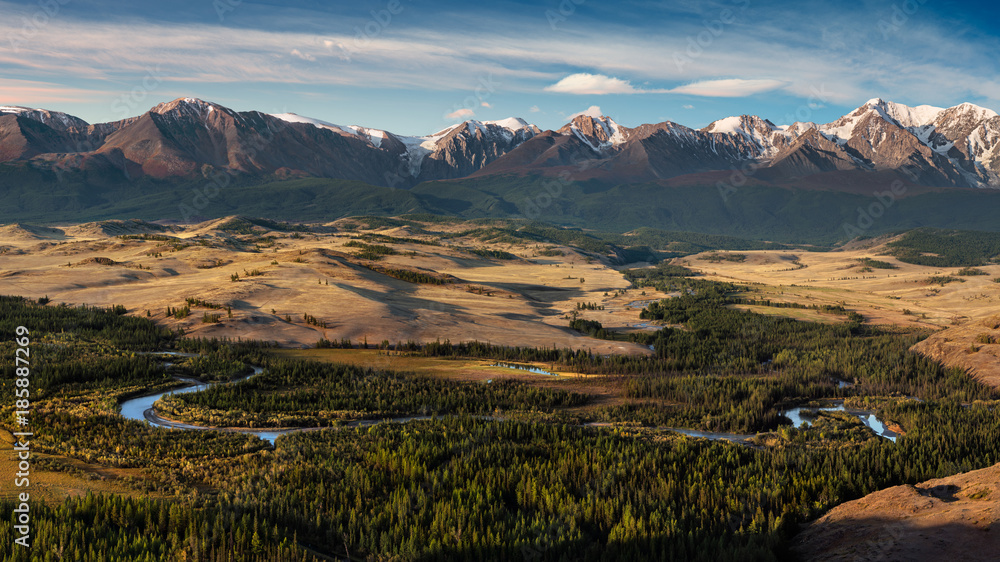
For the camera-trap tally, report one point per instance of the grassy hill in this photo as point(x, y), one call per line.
point(757, 212)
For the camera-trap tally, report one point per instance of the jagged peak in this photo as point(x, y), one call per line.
point(737, 123)
point(512, 124)
point(189, 106)
point(977, 112)
point(56, 119)
point(16, 109)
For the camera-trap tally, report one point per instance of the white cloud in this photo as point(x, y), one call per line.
point(728, 88)
point(929, 63)
point(463, 113)
point(487, 105)
point(598, 84)
point(303, 56)
point(534, 109)
point(592, 111)
point(591, 84)
point(688, 106)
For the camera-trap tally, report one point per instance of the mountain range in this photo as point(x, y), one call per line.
point(189, 138)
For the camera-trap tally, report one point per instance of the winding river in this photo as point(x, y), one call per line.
point(141, 408)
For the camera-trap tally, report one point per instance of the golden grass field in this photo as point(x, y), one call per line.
point(958, 312)
point(515, 302)
point(525, 301)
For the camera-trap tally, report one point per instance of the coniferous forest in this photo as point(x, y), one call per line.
point(501, 471)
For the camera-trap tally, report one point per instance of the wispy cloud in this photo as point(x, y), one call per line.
point(40, 94)
point(728, 88)
point(591, 84)
point(599, 84)
point(461, 114)
point(840, 52)
point(301, 55)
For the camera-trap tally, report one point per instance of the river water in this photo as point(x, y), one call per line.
point(866, 417)
point(140, 408)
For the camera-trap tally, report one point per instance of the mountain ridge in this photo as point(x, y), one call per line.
point(187, 137)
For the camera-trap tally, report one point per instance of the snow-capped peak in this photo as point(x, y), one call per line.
point(296, 118)
point(597, 131)
point(55, 119)
point(512, 124)
point(974, 111)
point(742, 125)
point(373, 136)
point(752, 130)
point(190, 107)
point(905, 115)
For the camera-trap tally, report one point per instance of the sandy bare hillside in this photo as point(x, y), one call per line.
point(973, 345)
point(954, 518)
point(901, 296)
point(298, 287)
point(22, 232)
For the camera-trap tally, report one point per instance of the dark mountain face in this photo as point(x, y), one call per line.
point(189, 138)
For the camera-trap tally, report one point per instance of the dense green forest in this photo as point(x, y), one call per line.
point(947, 248)
point(298, 393)
point(465, 487)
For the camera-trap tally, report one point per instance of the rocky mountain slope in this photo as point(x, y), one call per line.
point(188, 138)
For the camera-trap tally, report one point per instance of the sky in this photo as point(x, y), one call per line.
point(414, 67)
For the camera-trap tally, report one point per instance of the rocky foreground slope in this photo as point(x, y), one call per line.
point(955, 518)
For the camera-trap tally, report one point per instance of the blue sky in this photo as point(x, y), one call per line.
point(414, 66)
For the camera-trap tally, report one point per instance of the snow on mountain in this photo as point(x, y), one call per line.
point(189, 107)
point(759, 138)
point(958, 145)
point(296, 118)
point(54, 119)
point(600, 132)
point(373, 136)
point(919, 116)
point(416, 149)
point(512, 124)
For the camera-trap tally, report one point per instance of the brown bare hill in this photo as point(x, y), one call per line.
point(20, 231)
point(953, 518)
